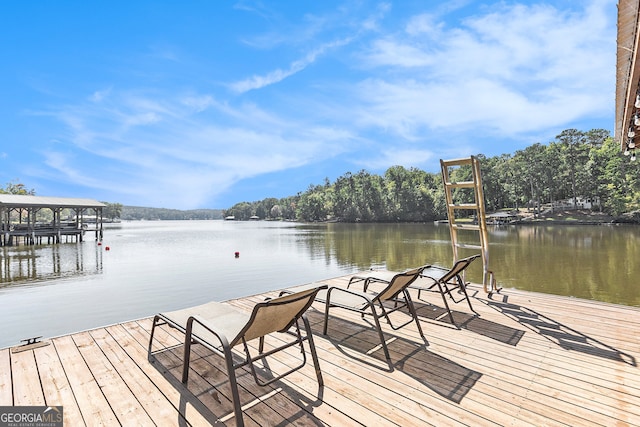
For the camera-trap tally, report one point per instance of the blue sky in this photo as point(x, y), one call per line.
point(203, 104)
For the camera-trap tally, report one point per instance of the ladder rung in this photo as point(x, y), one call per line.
point(456, 162)
point(466, 226)
point(463, 206)
point(466, 246)
point(461, 184)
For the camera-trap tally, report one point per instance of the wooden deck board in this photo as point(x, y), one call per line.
point(6, 389)
point(93, 405)
point(154, 403)
point(55, 384)
point(528, 360)
point(108, 377)
point(27, 390)
point(134, 336)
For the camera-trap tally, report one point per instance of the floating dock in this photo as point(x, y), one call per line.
point(528, 359)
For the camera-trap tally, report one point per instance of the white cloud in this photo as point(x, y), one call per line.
point(514, 70)
point(275, 76)
point(198, 102)
point(187, 151)
point(429, 90)
point(391, 53)
point(372, 22)
point(392, 157)
point(99, 95)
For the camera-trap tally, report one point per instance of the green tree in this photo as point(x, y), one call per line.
point(313, 205)
point(576, 164)
point(576, 154)
point(112, 210)
point(530, 166)
point(16, 187)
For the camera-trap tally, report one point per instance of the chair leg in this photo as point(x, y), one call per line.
point(326, 317)
point(233, 383)
point(187, 352)
point(312, 348)
point(463, 287)
point(414, 314)
point(381, 335)
point(444, 300)
point(153, 328)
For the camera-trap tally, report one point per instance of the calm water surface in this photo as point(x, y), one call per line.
point(51, 290)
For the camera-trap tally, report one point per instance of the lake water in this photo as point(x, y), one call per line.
point(141, 268)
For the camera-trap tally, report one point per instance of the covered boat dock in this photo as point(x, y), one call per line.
point(32, 219)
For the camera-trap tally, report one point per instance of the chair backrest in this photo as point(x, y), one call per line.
point(458, 267)
point(277, 314)
point(398, 283)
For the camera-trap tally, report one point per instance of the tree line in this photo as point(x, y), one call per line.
point(576, 164)
point(132, 213)
point(585, 164)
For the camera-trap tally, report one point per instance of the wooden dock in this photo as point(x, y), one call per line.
point(528, 360)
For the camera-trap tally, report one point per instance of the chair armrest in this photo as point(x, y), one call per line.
point(354, 279)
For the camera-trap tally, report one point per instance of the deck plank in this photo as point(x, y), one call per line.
point(159, 409)
point(134, 337)
point(528, 360)
point(55, 384)
point(6, 392)
point(92, 403)
point(27, 389)
point(107, 377)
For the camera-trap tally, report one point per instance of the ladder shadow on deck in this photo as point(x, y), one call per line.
point(562, 335)
point(470, 322)
point(208, 391)
point(441, 375)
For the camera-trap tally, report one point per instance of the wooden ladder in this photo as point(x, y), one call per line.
point(455, 224)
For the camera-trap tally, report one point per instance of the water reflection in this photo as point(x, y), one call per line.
point(594, 262)
point(46, 263)
point(159, 266)
point(392, 246)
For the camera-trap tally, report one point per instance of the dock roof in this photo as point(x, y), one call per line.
point(627, 68)
point(28, 201)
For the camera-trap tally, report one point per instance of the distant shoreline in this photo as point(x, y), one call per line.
point(575, 217)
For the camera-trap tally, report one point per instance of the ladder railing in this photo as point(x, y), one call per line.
point(477, 206)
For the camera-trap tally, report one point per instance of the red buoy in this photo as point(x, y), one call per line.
point(107, 248)
point(237, 254)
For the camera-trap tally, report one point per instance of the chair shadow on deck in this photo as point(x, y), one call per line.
point(441, 375)
point(562, 335)
point(470, 322)
point(169, 363)
point(208, 391)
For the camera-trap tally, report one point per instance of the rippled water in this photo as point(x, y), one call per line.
point(141, 268)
